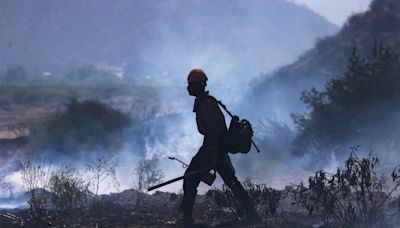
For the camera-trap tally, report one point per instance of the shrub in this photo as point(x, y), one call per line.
point(83, 126)
point(147, 175)
point(353, 196)
point(33, 175)
point(68, 189)
point(266, 200)
point(360, 105)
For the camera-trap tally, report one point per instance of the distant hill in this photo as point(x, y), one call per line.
point(279, 93)
point(157, 38)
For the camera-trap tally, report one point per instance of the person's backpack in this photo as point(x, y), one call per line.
point(240, 133)
point(239, 136)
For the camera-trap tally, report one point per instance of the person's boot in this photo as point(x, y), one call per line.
point(253, 219)
point(188, 222)
point(184, 220)
point(250, 214)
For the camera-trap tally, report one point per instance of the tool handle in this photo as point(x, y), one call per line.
point(255, 146)
point(165, 183)
point(179, 178)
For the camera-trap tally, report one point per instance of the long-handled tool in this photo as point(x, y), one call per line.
point(207, 178)
point(184, 165)
point(197, 172)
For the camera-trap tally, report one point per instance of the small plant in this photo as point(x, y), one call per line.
point(225, 200)
point(101, 169)
point(147, 175)
point(353, 196)
point(34, 175)
point(68, 189)
point(266, 200)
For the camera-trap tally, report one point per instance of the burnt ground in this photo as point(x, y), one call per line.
point(123, 217)
point(156, 210)
point(160, 210)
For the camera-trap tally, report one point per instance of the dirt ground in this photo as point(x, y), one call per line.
point(120, 217)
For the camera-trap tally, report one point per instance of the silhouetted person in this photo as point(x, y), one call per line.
point(210, 123)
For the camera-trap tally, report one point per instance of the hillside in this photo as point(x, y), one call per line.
point(152, 38)
point(278, 94)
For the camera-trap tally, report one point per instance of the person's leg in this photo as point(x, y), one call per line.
point(227, 172)
point(190, 185)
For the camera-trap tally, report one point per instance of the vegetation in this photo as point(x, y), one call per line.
point(81, 75)
point(361, 106)
point(68, 189)
point(53, 193)
point(28, 94)
point(89, 74)
point(17, 86)
point(83, 126)
point(266, 200)
point(147, 175)
point(15, 75)
point(101, 169)
point(34, 176)
point(353, 196)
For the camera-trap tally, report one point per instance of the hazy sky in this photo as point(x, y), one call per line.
point(336, 11)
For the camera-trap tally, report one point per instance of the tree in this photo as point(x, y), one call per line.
point(101, 169)
point(360, 106)
point(85, 125)
point(91, 75)
point(15, 75)
point(67, 187)
point(147, 175)
point(34, 175)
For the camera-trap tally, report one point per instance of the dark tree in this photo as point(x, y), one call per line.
point(89, 75)
point(15, 75)
point(360, 107)
point(84, 126)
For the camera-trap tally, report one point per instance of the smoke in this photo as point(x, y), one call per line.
point(234, 42)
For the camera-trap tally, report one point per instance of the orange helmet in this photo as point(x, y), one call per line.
point(197, 75)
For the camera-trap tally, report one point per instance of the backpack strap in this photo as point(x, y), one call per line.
point(222, 106)
point(232, 116)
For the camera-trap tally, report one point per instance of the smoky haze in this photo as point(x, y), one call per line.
point(157, 43)
point(277, 95)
